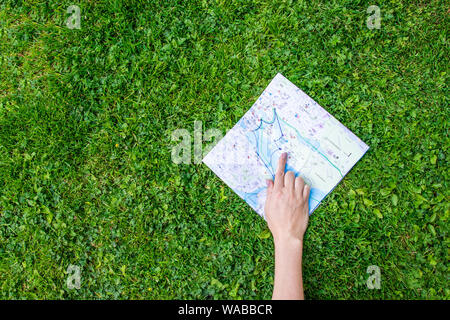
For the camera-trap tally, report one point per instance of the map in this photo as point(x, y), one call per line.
point(285, 119)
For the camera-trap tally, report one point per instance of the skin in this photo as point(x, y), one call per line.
point(287, 215)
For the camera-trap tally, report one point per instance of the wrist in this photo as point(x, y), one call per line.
point(288, 242)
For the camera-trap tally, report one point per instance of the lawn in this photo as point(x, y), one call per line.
point(87, 179)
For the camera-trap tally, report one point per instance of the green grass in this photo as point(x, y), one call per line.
point(86, 176)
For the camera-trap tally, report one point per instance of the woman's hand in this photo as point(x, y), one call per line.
point(286, 207)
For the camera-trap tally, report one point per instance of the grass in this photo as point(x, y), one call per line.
point(86, 176)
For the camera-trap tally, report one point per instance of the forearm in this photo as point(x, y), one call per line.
point(288, 270)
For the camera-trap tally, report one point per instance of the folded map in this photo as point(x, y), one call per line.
point(285, 119)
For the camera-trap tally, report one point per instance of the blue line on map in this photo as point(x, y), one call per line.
point(259, 156)
point(276, 117)
point(268, 122)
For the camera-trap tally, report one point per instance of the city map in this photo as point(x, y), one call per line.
point(285, 119)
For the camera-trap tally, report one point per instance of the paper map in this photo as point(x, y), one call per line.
point(285, 119)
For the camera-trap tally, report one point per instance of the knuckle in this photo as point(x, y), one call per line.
point(278, 193)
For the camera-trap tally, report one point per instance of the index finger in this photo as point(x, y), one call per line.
point(279, 176)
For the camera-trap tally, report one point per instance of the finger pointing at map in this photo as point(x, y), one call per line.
point(279, 176)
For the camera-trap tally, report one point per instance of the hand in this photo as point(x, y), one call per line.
point(286, 207)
